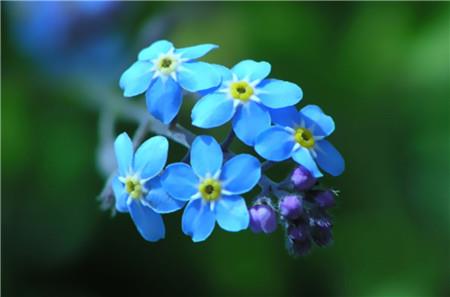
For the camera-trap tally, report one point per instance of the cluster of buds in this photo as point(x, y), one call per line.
point(300, 207)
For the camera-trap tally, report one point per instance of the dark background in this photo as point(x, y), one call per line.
point(380, 69)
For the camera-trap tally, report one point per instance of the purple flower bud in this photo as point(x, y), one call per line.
point(324, 199)
point(262, 219)
point(298, 233)
point(302, 178)
point(301, 247)
point(291, 207)
point(321, 231)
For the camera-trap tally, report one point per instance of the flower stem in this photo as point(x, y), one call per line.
point(228, 140)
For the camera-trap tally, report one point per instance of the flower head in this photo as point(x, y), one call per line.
point(213, 190)
point(137, 187)
point(245, 96)
point(163, 71)
point(263, 218)
point(301, 135)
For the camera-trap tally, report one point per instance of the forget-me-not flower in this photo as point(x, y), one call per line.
point(164, 71)
point(137, 187)
point(213, 191)
point(300, 135)
point(245, 96)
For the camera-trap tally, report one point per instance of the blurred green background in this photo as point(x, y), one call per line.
point(380, 69)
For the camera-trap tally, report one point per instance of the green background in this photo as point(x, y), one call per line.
point(380, 69)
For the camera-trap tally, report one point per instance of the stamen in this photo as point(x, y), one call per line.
point(304, 137)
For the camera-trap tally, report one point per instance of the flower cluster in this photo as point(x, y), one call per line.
point(210, 186)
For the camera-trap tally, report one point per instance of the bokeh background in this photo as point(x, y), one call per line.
point(380, 69)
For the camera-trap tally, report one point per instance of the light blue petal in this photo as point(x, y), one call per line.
point(213, 110)
point(277, 93)
point(303, 157)
point(317, 120)
point(164, 99)
point(151, 157)
point(149, 224)
point(154, 50)
point(120, 195)
point(180, 181)
point(328, 158)
point(275, 144)
point(196, 76)
point(251, 119)
point(225, 75)
point(251, 70)
point(196, 51)
point(286, 116)
point(136, 79)
point(198, 220)
point(232, 213)
point(206, 156)
point(124, 153)
point(240, 174)
point(159, 200)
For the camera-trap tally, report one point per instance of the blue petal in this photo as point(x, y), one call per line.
point(315, 118)
point(159, 200)
point(154, 50)
point(275, 144)
point(328, 158)
point(148, 222)
point(206, 156)
point(251, 70)
point(196, 51)
point(120, 195)
point(225, 75)
point(196, 76)
point(240, 174)
point(124, 153)
point(213, 110)
point(286, 116)
point(136, 79)
point(164, 99)
point(198, 220)
point(303, 157)
point(151, 156)
point(232, 213)
point(277, 93)
point(180, 181)
point(251, 119)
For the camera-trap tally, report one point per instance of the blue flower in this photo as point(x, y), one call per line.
point(300, 135)
point(244, 96)
point(163, 72)
point(213, 191)
point(137, 187)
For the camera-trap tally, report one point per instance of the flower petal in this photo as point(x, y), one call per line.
point(232, 213)
point(198, 220)
point(278, 93)
point(124, 153)
point(303, 157)
point(206, 156)
point(329, 159)
point(286, 116)
point(197, 51)
point(251, 119)
point(315, 118)
point(240, 174)
point(120, 195)
point(213, 110)
point(164, 99)
point(159, 200)
point(151, 156)
point(251, 70)
point(154, 50)
point(148, 222)
point(180, 181)
point(196, 76)
point(136, 79)
point(275, 144)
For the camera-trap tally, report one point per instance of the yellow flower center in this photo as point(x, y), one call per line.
point(241, 90)
point(134, 187)
point(167, 64)
point(210, 189)
point(304, 137)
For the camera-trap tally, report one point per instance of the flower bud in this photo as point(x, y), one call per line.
point(262, 218)
point(298, 233)
point(321, 231)
point(301, 247)
point(325, 199)
point(302, 178)
point(291, 207)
